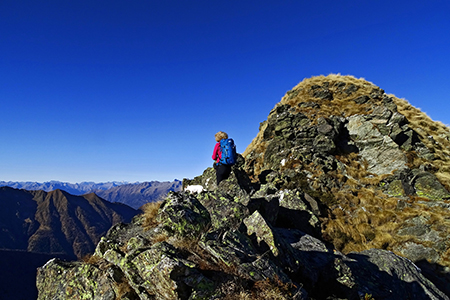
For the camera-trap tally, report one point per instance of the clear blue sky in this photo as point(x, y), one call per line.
point(111, 90)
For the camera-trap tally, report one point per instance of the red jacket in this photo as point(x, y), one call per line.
point(217, 154)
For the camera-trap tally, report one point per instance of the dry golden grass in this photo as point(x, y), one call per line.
point(257, 141)
point(161, 237)
point(435, 136)
point(190, 245)
point(238, 296)
point(258, 146)
point(264, 290)
point(272, 290)
point(122, 288)
point(91, 259)
point(342, 104)
point(365, 217)
point(150, 210)
point(446, 258)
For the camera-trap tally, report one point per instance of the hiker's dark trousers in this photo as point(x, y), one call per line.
point(222, 172)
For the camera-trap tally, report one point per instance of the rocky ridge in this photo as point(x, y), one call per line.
point(342, 188)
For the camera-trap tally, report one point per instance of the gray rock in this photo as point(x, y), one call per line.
point(362, 99)
point(380, 151)
point(75, 280)
point(428, 186)
point(385, 275)
point(184, 216)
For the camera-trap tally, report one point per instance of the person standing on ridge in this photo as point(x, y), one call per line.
point(224, 156)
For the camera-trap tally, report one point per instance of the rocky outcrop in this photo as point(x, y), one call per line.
point(197, 253)
point(341, 195)
point(361, 153)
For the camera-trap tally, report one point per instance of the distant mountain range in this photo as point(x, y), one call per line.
point(131, 194)
point(136, 195)
point(72, 188)
point(56, 222)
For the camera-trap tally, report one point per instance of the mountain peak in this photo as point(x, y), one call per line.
point(324, 103)
point(363, 153)
point(343, 187)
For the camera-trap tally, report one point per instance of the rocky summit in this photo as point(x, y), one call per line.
point(343, 194)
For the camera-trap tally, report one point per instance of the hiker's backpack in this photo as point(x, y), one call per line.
point(228, 150)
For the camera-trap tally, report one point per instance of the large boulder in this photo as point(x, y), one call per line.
point(75, 280)
point(379, 150)
point(385, 275)
point(428, 186)
point(225, 210)
point(183, 216)
point(300, 211)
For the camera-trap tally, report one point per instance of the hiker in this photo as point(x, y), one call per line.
point(224, 156)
